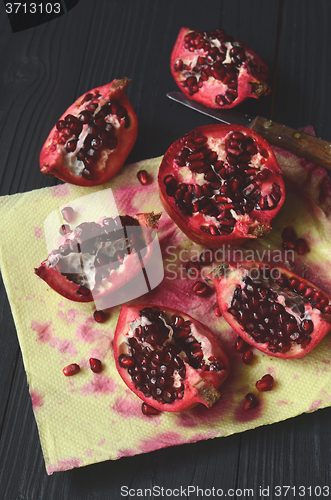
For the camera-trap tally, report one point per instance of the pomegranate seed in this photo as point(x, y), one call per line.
point(68, 214)
point(142, 176)
point(126, 361)
point(265, 383)
point(149, 410)
point(206, 257)
point(96, 365)
point(301, 246)
point(200, 288)
point(82, 290)
point(193, 268)
point(240, 345)
point(217, 312)
point(100, 316)
point(247, 357)
point(64, 229)
point(250, 401)
point(71, 370)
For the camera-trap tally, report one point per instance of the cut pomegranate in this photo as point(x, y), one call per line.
point(266, 383)
point(71, 370)
point(271, 308)
point(98, 258)
point(171, 361)
point(221, 184)
point(216, 69)
point(92, 139)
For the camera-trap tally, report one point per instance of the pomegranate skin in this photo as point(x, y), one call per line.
point(196, 224)
point(198, 386)
point(215, 85)
point(55, 159)
point(228, 277)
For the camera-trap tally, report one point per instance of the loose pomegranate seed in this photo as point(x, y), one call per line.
point(265, 383)
point(100, 316)
point(83, 291)
point(247, 357)
point(68, 214)
point(240, 345)
point(193, 268)
point(217, 312)
point(143, 177)
point(96, 365)
point(301, 246)
point(64, 229)
point(70, 370)
point(250, 401)
point(202, 289)
point(149, 410)
point(206, 257)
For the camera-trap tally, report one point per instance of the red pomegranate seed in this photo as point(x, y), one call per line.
point(100, 316)
point(240, 345)
point(265, 383)
point(126, 361)
point(193, 268)
point(143, 177)
point(70, 370)
point(82, 290)
point(200, 288)
point(301, 246)
point(68, 214)
point(96, 365)
point(206, 257)
point(250, 401)
point(64, 229)
point(149, 410)
point(217, 312)
point(247, 357)
point(288, 234)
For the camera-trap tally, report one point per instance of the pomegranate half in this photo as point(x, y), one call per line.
point(168, 359)
point(271, 308)
point(98, 258)
point(221, 184)
point(216, 69)
point(92, 139)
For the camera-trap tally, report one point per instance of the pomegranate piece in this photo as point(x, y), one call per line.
point(168, 359)
point(92, 139)
point(221, 184)
point(71, 370)
point(95, 365)
point(271, 308)
point(97, 258)
point(216, 69)
point(266, 383)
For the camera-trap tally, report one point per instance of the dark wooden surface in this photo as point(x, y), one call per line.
point(43, 70)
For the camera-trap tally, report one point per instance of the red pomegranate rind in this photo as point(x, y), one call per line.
point(221, 184)
point(168, 359)
point(271, 308)
point(216, 69)
point(97, 258)
point(92, 139)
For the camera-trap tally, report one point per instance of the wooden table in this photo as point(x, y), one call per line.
point(43, 70)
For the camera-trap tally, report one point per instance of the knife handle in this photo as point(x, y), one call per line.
point(308, 146)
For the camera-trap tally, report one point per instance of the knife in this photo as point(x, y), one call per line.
point(309, 147)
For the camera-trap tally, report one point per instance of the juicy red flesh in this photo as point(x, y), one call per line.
point(202, 59)
point(155, 365)
point(255, 307)
point(266, 383)
point(71, 370)
point(95, 365)
point(232, 187)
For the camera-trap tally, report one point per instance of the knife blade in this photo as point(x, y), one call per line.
point(302, 144)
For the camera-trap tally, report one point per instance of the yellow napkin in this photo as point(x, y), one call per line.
point(93, 417)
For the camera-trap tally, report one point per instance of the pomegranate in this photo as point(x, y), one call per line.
point(92, 139)
point(216, 69)
point(168, 359)
point(271, 308)
point(98, 258)
point(221, 184)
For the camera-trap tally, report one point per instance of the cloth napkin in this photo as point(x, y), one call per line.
point(92, 417)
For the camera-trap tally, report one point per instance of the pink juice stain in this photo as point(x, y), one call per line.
point(38, 233)
point(86, 332)
point(62, 465)
point(315, 404)
point(127, 407)
point(100, 384)
point(61, 191)
point(44, 330)
point(37, 399)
